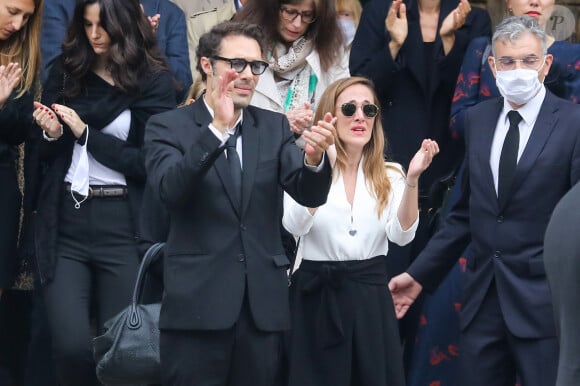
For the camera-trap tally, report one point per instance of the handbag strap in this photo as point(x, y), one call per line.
point(150, 255)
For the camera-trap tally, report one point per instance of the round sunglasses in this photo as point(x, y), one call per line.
point(369, 110)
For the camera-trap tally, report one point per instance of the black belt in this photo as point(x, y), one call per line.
point(328, 277)
point(103, 191)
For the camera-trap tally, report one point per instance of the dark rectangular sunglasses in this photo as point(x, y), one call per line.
point(369, 110)
point(238, 64)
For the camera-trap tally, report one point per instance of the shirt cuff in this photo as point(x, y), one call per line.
point(223, 137)
point(318, 167)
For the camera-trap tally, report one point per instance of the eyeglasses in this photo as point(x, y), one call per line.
point(291, 14)
point(506, 63)
point(369, 110)
point(256, 66)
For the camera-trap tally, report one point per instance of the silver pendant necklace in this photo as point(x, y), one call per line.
point(351, 230)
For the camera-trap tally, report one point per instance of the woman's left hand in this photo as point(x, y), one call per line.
point(70, 118)
point(455, 19)
point(422, 160)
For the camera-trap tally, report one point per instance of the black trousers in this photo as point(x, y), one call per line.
point(491, 355)
point(344, 329)
point(96, 268)
point(240, 356)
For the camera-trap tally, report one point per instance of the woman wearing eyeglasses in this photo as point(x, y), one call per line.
point(305, 53)
point(344, 330)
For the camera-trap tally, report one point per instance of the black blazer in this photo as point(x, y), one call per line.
point(99, 105)
point(15, 124)
point(215, 252)
point(507, 241)
point(415, 91)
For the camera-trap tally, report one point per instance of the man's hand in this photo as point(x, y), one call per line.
point(404, 290)
point(318, 139)
point(9, 77)
point(220, 99)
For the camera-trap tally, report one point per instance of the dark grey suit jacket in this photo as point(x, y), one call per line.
point(215, 251)
point(507, 239)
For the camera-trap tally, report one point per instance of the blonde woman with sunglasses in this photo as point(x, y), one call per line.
point(344, 330)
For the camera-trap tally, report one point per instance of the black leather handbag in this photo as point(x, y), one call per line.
point(128, 351)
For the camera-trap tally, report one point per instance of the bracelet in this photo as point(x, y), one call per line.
point(410, 185)
point(50, 139)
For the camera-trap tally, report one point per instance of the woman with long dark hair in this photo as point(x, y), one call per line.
point(110, 79)
point(20, 22)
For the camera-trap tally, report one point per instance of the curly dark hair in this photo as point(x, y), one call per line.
point(324, 32)
point(133, 51)
point(210, 42)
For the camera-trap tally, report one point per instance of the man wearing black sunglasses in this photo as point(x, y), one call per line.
point(219, 166)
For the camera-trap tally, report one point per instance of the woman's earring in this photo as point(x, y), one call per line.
point(510, 12)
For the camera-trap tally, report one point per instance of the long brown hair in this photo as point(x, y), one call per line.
point(23, 47)
point(374, 166)
point(324, 32)
point(133, 50)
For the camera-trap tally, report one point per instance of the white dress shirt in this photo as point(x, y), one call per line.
point(325, 235)
point(529, 113)
point(99, 174)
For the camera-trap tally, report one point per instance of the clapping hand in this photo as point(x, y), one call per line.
point(455, 19)
point(219, 94)
point(300, 118)
point(319, 138)
point(396, 22)
point(422, 159)
point(9, 78)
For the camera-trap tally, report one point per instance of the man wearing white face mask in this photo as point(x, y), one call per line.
point(522, 156)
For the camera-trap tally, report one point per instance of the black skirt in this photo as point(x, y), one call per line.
point(344, 329)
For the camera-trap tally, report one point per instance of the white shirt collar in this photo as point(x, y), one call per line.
point(529, 111)
point(230, 130)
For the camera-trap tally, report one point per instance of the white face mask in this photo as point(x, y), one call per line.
point(348, 29)
point(518, 86)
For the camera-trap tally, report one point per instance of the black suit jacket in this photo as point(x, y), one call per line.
point(507, 240)
point(415, 91)
point(215, 252)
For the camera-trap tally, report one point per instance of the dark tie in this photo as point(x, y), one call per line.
point(509, 156)
point(235, 164)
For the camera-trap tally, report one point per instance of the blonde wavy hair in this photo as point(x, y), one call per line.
point(23, 47)
point(374, 166)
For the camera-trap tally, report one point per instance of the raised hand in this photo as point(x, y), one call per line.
point(153, 20)
point(220, 99)
point(404, 290)
point(9, 78)
point(422, 159)
point(300, 118)
point(319, 138)
point(455, 19)
point(396, 22)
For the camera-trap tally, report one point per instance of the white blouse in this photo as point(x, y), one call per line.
point(338, 233)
